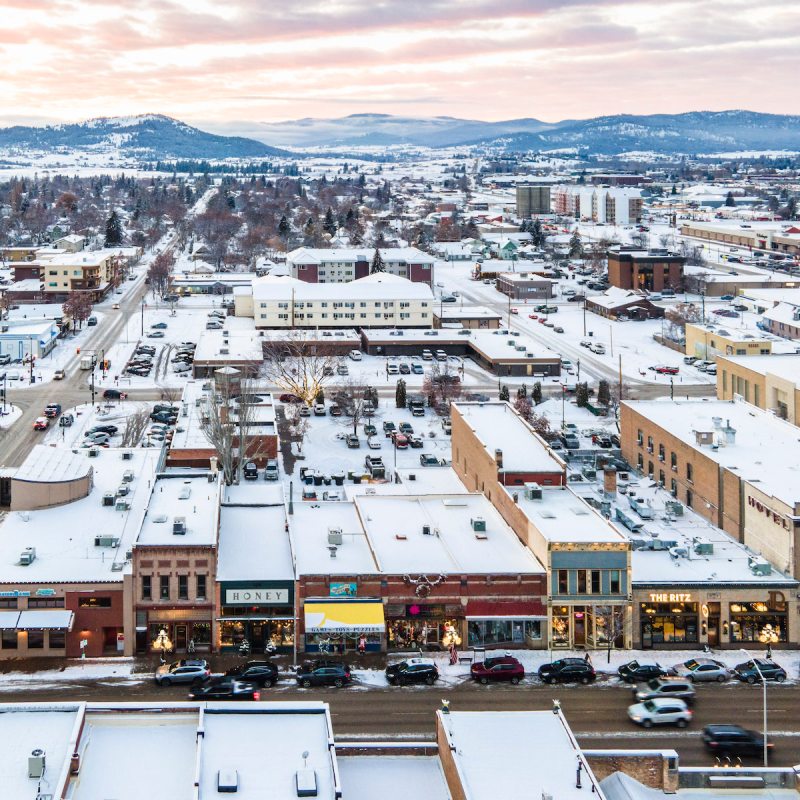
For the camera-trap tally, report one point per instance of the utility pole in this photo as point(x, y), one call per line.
point(620, 376)
point(94, 365)
point(584, 315)
point(143, 304)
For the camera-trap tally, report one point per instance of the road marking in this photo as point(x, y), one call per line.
point(671, 734)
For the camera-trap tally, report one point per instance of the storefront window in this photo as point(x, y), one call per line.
point(231, 634)
point(485, 632)
point(559, 633)
point(338, 643)
point(758, 622)
point(57, 640)
point(201, 632)
point(669, 623)
point(35, 640)
point(8, 639)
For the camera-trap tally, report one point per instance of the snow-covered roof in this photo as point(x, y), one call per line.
point(467, 312)
point(238, 338)
point(479, 741)
point(614, 297)
point(783, 312)
point(378, 286)
point(393, 777)
point(46, 464)
point(785, 366)
point(437, 533)
point(322, 255)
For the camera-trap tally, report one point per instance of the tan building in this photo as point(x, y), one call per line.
point(769, 382)
point(730, 462)
point(754, 237)
point(709, 341)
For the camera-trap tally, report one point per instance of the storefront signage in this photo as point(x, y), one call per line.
point(769, 513)
point(670, 597)
point(343, 589)
point(25, 593)
point(15, 593)
point(253, 597)
point(45, 592)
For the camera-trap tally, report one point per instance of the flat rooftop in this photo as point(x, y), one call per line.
point(480, 742)
point(766, 450)
point(236, 341)
point(46, 464)
point(188, 496)
point(499, 427)
point(437, 533)
point(393, 777)
point(785, 366)
point(64, 536)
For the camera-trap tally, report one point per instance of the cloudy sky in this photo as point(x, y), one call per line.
point(215, 62)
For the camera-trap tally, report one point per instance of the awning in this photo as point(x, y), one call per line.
point(509, 609)
point(8, 620)
point(50, 620)
point(346, 617)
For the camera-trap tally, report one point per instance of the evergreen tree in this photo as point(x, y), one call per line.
point(377, 263)
point(582, 395)
point(603, 393)
point(329, 226)
point(113, 230)
point(575, 245)
point(522, 391)
point(320, 396)
point(537, 234)
point(729, 201)
point(400, 394)
point(504, 393)
point(536, 393)
point(283, 228)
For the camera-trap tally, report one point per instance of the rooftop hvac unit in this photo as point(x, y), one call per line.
point(335, 536)
point(127, 476)
point(305, 781)
point(36, 764)
point(185, 493)
point(93, 452)
point(223, 351)
point(179, 526)
point(426, 530)
point(28, 556)
point(227, 781)
point(117, 566)
point(704, 548)
point(108, 499)
point(478, 524)
point(106, 541)
point(533, 491)
point(127, 455)
point(123, 504)
point(759, 566)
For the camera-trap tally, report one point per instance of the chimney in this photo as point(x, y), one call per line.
point(609, 481)
point(498, 458)
point(730, 433)
point(717, 423)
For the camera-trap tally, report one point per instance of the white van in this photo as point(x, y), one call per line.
point(427, 355)
point(355, 355)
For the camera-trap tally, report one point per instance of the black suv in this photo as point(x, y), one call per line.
point(264, 673)
point(733, 740)
point(567, 670)
point(634, 672)
point(746, 671)
point(225, 689)
point(323, 673)
point(412, 671)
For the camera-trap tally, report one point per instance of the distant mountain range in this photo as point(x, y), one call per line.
point(155, 137)
point(145, 137)
point(694, 132)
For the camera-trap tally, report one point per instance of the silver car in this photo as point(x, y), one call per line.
point(702, 669)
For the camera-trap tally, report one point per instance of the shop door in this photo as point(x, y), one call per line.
point(647, 636)
point(713, 631)
point(180, 637)
point(579, 628)
point(258, 633)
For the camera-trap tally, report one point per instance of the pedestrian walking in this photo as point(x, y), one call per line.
point(362, 644)
point(453, 654)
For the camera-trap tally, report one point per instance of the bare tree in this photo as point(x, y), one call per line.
point(78, 307)
point(354, 399)
point(298, 425)
point(442, 384)
point(298, 365)
point(677, 317)
point(610, 625)
point(135, 426)
point(170, 394)
point(160, 272)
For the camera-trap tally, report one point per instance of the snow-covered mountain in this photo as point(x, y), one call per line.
point(693, 132)
point(145, 137)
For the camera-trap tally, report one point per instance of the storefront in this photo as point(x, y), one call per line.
point(764, 622)
point(336, 626)
point(506, 624)
point(174, 631)
point(424, 626)
point(261, 612)
point(676, 622)
point(588, 626)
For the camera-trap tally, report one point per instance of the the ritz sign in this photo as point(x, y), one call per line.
point(253, 597)
point(671, 597)
point(769, 513)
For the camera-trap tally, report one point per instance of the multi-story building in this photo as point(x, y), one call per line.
point(533, 199)
point(587, 560)
point(651, 270)
point(616, 206)
point(768, 382)
point(729, 461)
point(710, 340)
point(525, 286)
point(378, 300)
point(342, 265)
point(767, 236)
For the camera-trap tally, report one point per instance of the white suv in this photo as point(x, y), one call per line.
point(660, 711)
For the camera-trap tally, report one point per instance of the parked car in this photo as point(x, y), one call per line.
point(567, 670)
point(500, 668)
point(323, 673)
point(747, 672)
point(92, 321)
point(388, 428)
point(187, 670)
point(159, 326)
point(392, 369)
point(702, 669)
point(414, 670)
point(225, 689)
point(665, 687)
point(405, 369)
point(635, 672)
point(109, 429)
point(290, 398)
point(250, 471)
point(663, 369)
point(415, 442)
point(406, 428)
point(660, 711)
point(263, 673)
point(400, 440)
point(114, 394)
point(181, 367)
point(417, 369)
point(319, 410)
point(733, 740)
point(353, 442)
point(66, 420)
point(156, 335)
point(576, 298)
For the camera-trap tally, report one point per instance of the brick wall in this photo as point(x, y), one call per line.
point(656, 769)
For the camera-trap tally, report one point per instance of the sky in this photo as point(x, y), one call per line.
point(226, 65)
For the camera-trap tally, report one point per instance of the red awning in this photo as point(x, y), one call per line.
point(505, 609)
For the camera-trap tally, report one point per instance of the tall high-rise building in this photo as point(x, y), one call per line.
point(533, 199)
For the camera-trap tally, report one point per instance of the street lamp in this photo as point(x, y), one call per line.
point(764, 685)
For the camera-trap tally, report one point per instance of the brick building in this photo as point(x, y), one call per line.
point(650, 270)
point(769, 382)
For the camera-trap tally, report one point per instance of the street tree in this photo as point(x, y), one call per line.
point(135, 426)
point(442, 384)
point(603, 393)
point(78, 307)
point(400, 394)
point(353, 398)
point(536, 393)
point(160, 273)
point(582, 395)
point(504, 393)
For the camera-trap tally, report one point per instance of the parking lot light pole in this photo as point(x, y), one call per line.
point(764, 687)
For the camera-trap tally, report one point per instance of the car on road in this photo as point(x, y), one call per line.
point(225, 689)
point(159, 326)
point(748, 671)
point(665, 687)
point(558, 329)
point(323, 673)
point(702, 669)
point(114, 394)
point(414, 670)
point(59, 375)
point(500, 668)
point(567, 670)
point(636, 672)
point(598, 349)
point(52, 410)
point(263, 673)
point(41, 424)
point(448, 298)
point(660, 711)
point(156, 335)
point(733, 740)
point(187, 670)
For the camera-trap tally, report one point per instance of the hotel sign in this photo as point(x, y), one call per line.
point(256, 597)
point(768, 513)
point(670, 597)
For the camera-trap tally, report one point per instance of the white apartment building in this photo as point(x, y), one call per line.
point(380, 300)
point(614, 205)
point(340, 265)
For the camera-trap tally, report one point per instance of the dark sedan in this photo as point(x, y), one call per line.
point(634, 672)
point(264, 673)
point(567, 670)
point(414, 670)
